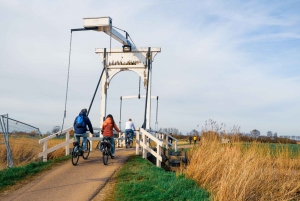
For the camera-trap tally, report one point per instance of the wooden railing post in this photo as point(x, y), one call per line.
point(144, 137)
point(123, 142)
point(137, 143)
point(158, 148)
point(45, 149)
point(91, 141)
point(167, 141)
point(67, 145)
point(175, 145)
point(168, 157)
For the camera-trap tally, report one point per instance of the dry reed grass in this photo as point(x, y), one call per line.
point(26, 149)
point(238, 172)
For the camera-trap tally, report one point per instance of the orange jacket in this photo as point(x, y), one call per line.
point(108, 126)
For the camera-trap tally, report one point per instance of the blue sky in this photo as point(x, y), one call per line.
point(230, 61)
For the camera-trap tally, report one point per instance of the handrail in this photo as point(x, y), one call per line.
point(45, 151)
point(165, 137)
point(142, 140)
point(66, 143)
point(145, 145)
point(55, 135)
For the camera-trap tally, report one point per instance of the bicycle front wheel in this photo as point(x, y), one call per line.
point(75, 155)
point(85, 155)
point(105, 156)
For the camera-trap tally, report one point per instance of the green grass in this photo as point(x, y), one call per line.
point(141, 180)
point(10, 175)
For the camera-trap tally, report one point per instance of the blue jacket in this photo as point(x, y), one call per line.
point(87, 122)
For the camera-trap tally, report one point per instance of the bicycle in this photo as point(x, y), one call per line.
point(105, 148)
point(128, 141)
point(78, 151)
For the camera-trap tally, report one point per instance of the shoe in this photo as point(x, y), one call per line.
point(113, 155)
point(85, 150)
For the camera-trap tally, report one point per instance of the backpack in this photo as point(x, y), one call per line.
point(80, 122)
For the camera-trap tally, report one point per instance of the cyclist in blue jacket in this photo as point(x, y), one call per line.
point(80, 123)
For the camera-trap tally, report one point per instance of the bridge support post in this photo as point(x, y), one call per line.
point(149, 94)
point(103, 93)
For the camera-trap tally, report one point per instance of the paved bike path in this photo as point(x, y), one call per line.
point(68, 182)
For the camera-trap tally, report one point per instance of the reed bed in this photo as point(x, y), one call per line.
point(239, 171)
point(26, 149)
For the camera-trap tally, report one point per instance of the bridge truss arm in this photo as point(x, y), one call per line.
point(104, 24)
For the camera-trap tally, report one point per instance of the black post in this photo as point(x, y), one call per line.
point(104, 66)
point(104, 69)
point(84, 29)
point(149, 63)
point(95, 92)
point(120, 112)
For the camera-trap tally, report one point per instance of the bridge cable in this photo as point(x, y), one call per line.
point(65, 111)
point(139, 96)
point(126, 34)
point(156, 123)
point(69, 64)
point(120, 112)
point(110, 43)
point(146, 102)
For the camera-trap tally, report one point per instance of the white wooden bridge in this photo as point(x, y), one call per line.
point(143, 146)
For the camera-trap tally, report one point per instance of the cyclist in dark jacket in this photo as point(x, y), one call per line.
point(80, 131)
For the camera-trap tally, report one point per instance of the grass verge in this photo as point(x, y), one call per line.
point(141, 180)
point(9, 176)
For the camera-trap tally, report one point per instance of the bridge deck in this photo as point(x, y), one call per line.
point(68, 182)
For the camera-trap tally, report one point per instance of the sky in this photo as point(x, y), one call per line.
point(235, 62)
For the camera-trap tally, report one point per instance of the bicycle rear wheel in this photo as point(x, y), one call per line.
point(85, 155)
point(127, 142)
point(105, 156)
point(75, 155)
point(130, 143)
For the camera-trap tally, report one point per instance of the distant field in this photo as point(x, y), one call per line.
point(293, 150)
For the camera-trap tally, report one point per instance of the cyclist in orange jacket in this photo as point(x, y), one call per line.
point(107, 131)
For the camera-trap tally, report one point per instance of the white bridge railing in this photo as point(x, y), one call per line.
point(166, 139)
point(142, 141)
point(65, 144)
point(46, 151)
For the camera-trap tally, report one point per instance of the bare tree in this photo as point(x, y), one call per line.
point(55, 129)
point(270, 134)
point(255, 133)
point(194, 132)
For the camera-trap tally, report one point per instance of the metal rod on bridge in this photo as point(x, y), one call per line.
point(104, 66)
point(120, 112)
point(85, 29)
point(148, 58)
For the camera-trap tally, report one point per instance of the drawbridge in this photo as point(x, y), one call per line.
point(128, 58)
